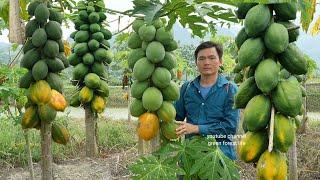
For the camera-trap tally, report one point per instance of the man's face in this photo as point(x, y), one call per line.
point(208, 61)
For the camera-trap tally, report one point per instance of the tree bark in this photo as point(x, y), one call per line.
point(16, 25)
point(28, 151)
point(46, 156)
point(155, 143)
point(140, 147)
point(29, 155)
point(303, 126)
point(91, 141)
point(129, 102)
point(293, 166)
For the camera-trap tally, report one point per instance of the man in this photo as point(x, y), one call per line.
point(207, 101)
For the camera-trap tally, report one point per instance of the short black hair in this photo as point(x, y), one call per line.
point(209, 44)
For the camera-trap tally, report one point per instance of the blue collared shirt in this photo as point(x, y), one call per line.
point(214, 114)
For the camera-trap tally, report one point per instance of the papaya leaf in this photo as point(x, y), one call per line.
point(23, 9)
point(150, 9)
point(4, 11)
point(151, 167)
point(316, 27)
point(194, 14)
point(265, 1)
point(307, 9)
point(196, 157)
point(211, 163)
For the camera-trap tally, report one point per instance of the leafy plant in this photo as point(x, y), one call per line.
point(190, 14)
point(312, 67)
point(197, 157)
point(9, 93)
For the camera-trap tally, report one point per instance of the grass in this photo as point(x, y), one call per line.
point(114, 136)
point(116, 98)
point(308, 146)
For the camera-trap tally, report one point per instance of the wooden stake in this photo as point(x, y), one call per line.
point(271, 130)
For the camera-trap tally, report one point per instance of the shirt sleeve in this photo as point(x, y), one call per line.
point(231, 117)
point(179, 104)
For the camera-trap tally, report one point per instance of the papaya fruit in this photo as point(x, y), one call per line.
point(136, 108)
point(247, 90)
point(257, 20)
point(148, 126)
point(166, 112)
point(267, 75)
point(284, 132)
point(287, 98)
point(257, 118)
point(40, 92)
point(85, 95)
point(168, 129)
point(98, 104)
point(272, 165)
point(46, 113)
point(293, 60)
point(60, 134)
point(57, 101)
point(30, 118)
point(252, 145)
point(152, 99)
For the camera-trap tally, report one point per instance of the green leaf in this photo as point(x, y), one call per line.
point(23, 9)
point(265, 1)
point(150, 9)
point(4, 11)
point(211, 163)
point(151, 167)
point(196, 157)
point(307, 9)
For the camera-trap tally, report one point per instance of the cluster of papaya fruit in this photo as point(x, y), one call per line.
point(90, 55)
point(153, 90)
point(271, 63)
point(44, 58)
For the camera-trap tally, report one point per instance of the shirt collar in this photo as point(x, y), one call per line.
point(220, 81)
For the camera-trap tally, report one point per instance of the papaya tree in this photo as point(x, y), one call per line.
point(152, 60)
point(91, 55)
point(270, 93)
point(44, 59)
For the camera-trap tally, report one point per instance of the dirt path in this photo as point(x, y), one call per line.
point(111, 167)
point(109, 113)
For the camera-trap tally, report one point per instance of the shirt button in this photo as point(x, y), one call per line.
point(202, 104)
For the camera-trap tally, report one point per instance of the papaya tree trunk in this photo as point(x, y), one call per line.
point(16, 26)
point(155, 143)
point(46, 156)
point(28, 153)
point(96, 132)
point(293, 166)
point(303, 126)
point(129, 102)
point(140, 147)
point(91, 141)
